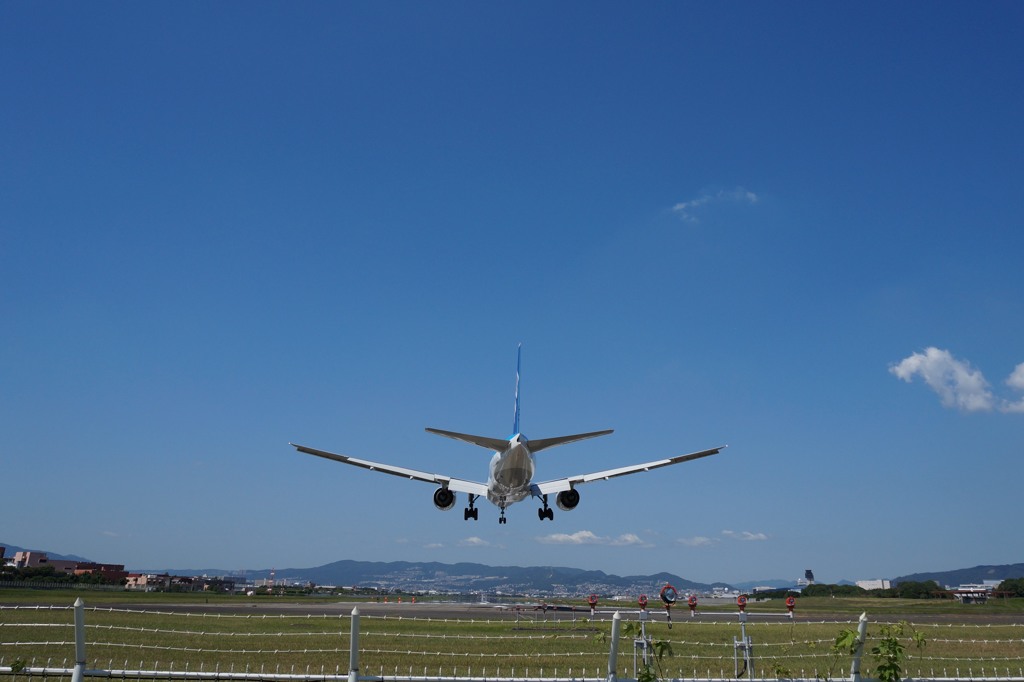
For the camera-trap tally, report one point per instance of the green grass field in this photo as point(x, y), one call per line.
point(168, 631)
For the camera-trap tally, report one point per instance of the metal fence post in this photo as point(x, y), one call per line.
point(862, 633)
point(613, 653)
point(353, 652)
point(79, 671)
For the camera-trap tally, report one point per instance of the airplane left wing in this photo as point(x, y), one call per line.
point(456, 484)
point(568, 483)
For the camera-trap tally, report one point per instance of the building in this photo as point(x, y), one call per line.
point(975, 593)
point(878, 584)
point(30, 559)
point(110, 572)
point(147, 582)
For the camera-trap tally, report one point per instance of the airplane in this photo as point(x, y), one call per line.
point(511, 471)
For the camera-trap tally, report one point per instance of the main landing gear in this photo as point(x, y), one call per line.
point(471, 512)
point(547, 512)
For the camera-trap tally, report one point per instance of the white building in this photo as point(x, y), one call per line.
point(879, 584)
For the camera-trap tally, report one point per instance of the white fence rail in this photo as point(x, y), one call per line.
point(992, 669)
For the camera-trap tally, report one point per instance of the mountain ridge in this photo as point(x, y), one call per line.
point(475, 577)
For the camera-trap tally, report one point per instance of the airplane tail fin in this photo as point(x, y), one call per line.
point(515, 414)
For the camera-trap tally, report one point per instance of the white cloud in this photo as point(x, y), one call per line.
point(434, 545)
point(1016, 378)
point(629, 539)
point(696, 541)
point(474, 542)
point(685, 209)
point(1016, 381)
point(957, 383)
point(586, 537)
point(744, 535)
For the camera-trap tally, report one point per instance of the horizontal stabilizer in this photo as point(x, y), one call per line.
point(542, 443)
point(492, 444)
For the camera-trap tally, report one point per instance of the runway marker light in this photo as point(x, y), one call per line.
point(668, 596)
point(741, 601)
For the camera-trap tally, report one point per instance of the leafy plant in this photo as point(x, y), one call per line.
point(649, 672)
point(846, 642)
point(781, 671)
point(889, 653)
point(845, 645)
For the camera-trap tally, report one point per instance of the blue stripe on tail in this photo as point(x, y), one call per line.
point(515, 415)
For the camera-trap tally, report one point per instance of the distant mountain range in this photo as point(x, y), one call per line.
point(967, 576)
point(548, 580)
point(470, 577)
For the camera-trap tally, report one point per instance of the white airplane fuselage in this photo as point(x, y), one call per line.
point(511, 473)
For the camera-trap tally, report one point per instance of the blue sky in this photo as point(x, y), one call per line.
point(792, 228)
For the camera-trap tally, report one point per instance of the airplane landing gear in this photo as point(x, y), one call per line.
point(502, 519)
point(471, 512)
point(547, 512)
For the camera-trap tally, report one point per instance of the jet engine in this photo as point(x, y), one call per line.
point(567, 500)
point(444, 499)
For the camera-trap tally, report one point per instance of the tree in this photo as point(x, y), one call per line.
point(1013, 587)
point(916, 590)
point(823, 590)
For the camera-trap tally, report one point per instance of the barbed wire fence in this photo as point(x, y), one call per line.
point(225, 646)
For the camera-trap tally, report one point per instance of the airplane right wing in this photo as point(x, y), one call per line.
point(456, 484)
point(568, 483)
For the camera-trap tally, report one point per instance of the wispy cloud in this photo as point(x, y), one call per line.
point(957, 383)
point(586, 537)
point(475, 541)
point(696, 541)
point(745, 535)
point(686, 210)
point(1015, 381)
